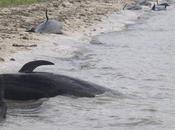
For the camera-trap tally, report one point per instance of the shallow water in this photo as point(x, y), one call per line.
point(138, 62)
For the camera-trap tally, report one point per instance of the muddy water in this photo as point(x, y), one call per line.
point(138, 62)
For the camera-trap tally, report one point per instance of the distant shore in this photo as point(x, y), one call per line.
point(77, 16)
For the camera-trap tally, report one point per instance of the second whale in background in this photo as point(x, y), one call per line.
point(48, 26)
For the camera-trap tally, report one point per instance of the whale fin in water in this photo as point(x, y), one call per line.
point(30, 66)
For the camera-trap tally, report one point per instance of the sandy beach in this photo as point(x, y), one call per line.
point(76, 15)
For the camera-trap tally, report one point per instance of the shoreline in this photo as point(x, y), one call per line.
point(60, 49)
point(77, 15)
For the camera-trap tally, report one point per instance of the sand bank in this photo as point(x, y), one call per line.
point(77, 16)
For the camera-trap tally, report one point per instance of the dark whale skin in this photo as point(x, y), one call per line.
point(3, 106)
point(36, 85)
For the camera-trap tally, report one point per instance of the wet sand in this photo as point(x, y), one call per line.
point(77, 16)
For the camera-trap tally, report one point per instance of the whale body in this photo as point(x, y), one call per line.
point(29, 85)
point(48, 26)
point(3, 106)
point(159, 7)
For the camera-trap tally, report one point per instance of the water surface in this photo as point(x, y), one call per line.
point(138, 62)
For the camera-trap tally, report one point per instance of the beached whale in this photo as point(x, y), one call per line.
point(48, 26)
point(159, 7)
point(29, 85)
point(3, 107)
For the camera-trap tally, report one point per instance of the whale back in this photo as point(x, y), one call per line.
point(164, 4)
point(30, 66)
point(49, 26)
point(159, 7)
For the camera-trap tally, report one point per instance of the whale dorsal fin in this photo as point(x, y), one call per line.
point(47, 18)
point(30, 66)
point(153, 7)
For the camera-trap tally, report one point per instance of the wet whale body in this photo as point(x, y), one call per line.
point(48, 26)
point(29, 85)
point(3, 106)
